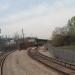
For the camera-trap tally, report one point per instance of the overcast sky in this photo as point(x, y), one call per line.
point(37, 17)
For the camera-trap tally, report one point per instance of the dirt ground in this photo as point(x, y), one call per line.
point(19, 63)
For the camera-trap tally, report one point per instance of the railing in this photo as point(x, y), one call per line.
point(46, 60)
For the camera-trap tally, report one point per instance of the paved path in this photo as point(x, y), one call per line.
point(19, 63)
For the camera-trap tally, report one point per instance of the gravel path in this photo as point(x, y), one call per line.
point(19, 63)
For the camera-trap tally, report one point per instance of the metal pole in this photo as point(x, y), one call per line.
point(23, 36)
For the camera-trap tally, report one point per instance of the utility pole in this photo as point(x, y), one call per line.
point(23, 37)
point(0, 30)
point(23, 34)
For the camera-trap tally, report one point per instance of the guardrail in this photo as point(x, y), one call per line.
point(63, 63)
point(47, 60)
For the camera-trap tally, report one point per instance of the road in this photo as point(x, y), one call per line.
point(19, 63)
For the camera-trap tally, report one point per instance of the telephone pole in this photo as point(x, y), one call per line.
point(23, 39)
point(23, 34)
point(0, 30)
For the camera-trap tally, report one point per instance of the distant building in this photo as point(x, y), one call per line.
point(30, 42)
point(6, 42)
point(36, 41)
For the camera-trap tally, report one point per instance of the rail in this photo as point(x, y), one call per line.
point(64, 67)
point(3, 57)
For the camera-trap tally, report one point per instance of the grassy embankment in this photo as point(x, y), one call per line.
point(70, 47)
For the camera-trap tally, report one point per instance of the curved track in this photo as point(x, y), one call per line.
point(52, 63)
point(3, 57)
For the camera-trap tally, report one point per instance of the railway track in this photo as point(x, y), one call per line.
point(3, 56)
point(58, 65)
